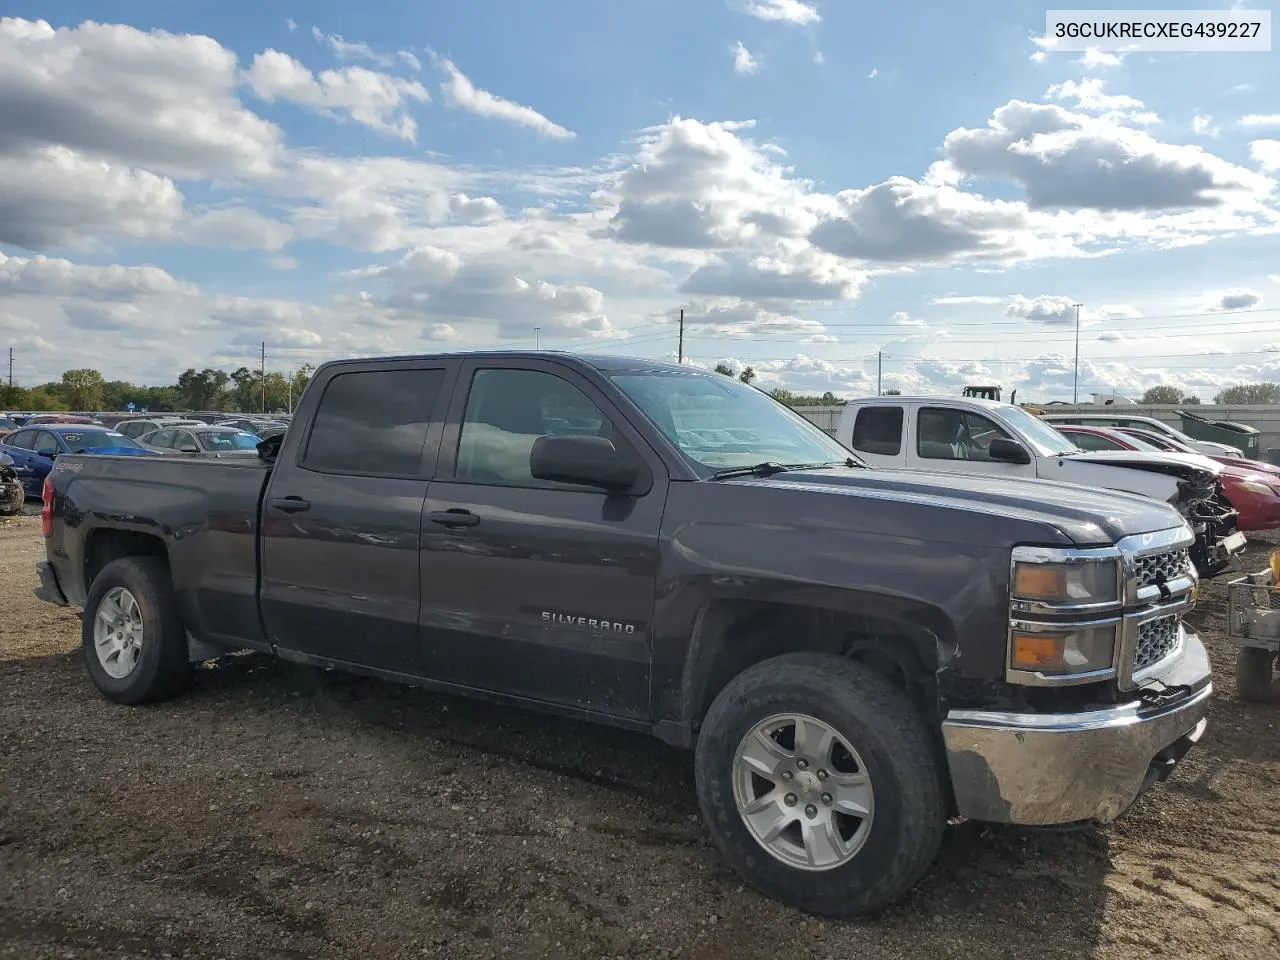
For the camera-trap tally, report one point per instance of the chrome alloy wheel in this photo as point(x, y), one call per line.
point(803, 792)
point(117, 633)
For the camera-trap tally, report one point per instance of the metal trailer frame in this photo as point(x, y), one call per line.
point(1253, 626)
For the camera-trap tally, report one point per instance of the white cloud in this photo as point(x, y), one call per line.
point(1266, 154)
point(239, 228)
point(1089, 96)
point(460, 93)
point(54, 196)
point(1204, 125)
point(281, 262)
point(905, 221)
point(1043, 309)
point(437, 284)
point(375, 100)
point(1260, 120)
point(1070, 160)
point(1095, 59)
point(743, 61)
point(55, 277)
point(291, 24)
point(951, 299)
point(873, 74)
point(904, 319)
point(783, 11)
point(735, 318)
point(154, 99)
point(344, 50)
point(1236, 298)
point(410, 60)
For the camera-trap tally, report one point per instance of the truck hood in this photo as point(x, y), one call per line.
point(1084, 515)
point(1187, 466)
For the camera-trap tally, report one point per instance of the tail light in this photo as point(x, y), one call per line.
point(46, 506)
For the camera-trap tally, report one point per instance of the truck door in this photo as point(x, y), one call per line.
point(956, 440)
point(877, 434)
point(533, 588)
point(340, 523)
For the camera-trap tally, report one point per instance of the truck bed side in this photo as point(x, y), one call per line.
point(202, 515)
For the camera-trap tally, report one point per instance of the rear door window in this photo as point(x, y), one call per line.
point(878, 430)
point(23, 440)
point(46, 443)
point(374, 423)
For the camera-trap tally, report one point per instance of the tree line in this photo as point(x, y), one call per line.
point(241, 391)
point(1241, 395)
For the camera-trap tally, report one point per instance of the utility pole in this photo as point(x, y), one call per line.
point(879, 373)
point(11, 368)
point(537, 338)
point(263, 376)
point(679, 347)
point(1075, 388)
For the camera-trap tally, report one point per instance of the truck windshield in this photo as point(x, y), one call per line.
point(1047, 441)
point(719, 423)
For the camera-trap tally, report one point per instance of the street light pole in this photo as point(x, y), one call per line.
point(1075, 388)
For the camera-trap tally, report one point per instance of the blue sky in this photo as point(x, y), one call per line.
point(813, 182)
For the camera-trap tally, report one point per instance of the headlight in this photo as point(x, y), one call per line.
point(1076, 583)
point(1065, 651)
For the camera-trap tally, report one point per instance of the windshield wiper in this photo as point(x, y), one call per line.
point(759, 470)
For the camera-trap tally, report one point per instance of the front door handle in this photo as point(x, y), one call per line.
point(454, 518)
point(290, 504)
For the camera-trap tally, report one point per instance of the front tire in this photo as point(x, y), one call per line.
point(820, 784)
point(135, 644)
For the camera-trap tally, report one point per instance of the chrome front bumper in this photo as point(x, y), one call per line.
point(1053, 768)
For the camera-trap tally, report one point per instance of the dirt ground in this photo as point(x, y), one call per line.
point(278, 812)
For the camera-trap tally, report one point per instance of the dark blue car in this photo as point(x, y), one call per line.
point(33, 449)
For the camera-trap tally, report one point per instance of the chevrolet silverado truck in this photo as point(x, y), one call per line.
point(853, 655)
point(987, 438)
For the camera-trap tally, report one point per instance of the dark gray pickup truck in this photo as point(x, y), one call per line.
point(855, 654)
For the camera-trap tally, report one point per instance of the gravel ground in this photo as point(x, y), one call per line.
point(276, 811)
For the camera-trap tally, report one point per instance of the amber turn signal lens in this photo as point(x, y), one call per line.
point(1034, 580)
point(1033, 651)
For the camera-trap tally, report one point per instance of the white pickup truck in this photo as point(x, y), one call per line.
point(972, 436)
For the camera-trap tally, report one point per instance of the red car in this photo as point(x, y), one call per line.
point(1252, 488)
point(61, 418)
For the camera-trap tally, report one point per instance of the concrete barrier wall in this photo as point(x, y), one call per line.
point(1265, 417)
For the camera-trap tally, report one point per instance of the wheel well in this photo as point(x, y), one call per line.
point(105, 546)
point(733, 636)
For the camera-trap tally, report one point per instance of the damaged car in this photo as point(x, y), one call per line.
point(12, 495)
point(967, 435)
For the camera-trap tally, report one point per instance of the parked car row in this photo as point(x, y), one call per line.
point(31, 448)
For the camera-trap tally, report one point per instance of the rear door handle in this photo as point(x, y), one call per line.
point(290, 504)
point(454, 518)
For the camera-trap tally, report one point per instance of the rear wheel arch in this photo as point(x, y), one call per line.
point(105, 545)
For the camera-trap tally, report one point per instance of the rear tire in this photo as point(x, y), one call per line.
point(135, 644)
point(1255, 670)
point(872, 861)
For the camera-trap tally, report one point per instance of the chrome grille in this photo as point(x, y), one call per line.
point(1155, 568)
point(1156, 640)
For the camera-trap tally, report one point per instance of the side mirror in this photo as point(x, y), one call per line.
point(591, 461)
point(1008, 451)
